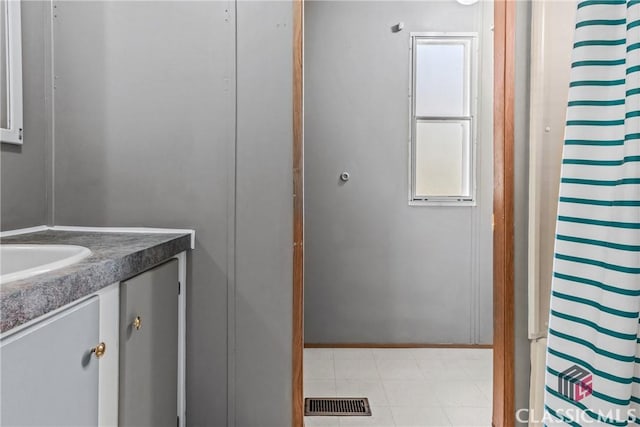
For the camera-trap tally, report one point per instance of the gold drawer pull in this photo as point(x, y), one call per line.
point(99, 350)
point(137, 323)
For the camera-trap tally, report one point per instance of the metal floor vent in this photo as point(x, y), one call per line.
point(343, 406)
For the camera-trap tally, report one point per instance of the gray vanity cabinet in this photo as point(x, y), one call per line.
point(149, 348)
point(49, 373)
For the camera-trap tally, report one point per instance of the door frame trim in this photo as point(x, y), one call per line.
point(503, 211)
point(297, 350)
point(503, 208)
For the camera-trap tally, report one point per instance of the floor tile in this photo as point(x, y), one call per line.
point(371, 389)
point(408, 416)
point(460, 393)
point(418, 393)
point(391, 369)
point(319, 388)
point(318, 353)
point(484, 354)
point(466, 417)
point(393, 353)
point(321, 422)
point(441, 369)
point(478, 369)
point(469, 353)
point(486, 387)
point(318, 369)
point(352, 353)
point(380, 417)
point(467, 369)
point(430, 353)
point(453, 353)
point(405, 387)
point(362, 369)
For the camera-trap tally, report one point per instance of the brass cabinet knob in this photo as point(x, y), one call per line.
point(99, 350)
point(137, 322)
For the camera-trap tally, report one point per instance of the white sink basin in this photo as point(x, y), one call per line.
point(22, 261)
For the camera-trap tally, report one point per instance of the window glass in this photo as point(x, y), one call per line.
point(442, 159)
point(442, 125)
point(441, 80)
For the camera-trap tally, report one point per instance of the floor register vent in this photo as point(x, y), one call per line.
point(343, 406)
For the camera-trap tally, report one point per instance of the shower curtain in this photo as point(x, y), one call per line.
point(593, 354)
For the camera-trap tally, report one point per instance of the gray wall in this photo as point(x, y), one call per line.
point(264, 215)
point(144, 112)
point(147, 133)
point(521, 142)
point(377, 269)
point(24, 169)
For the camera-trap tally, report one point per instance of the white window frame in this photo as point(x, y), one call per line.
point(470, 38)
point(13, 60)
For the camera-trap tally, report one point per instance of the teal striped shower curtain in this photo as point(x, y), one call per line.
point(593, 355)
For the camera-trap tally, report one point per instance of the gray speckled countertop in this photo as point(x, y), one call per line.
point(115, 257)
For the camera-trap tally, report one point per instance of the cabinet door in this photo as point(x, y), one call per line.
point(49, 375)
point(149, 352)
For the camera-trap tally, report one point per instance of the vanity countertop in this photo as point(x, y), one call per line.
point(116, 256)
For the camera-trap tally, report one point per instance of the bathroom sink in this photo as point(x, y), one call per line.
point(22, 261)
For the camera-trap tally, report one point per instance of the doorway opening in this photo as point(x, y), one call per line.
point(501, 241)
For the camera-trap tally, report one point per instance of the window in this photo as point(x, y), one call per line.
point(442, 147)
point(10, 72)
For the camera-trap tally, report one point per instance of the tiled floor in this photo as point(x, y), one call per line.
point(405, 387)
